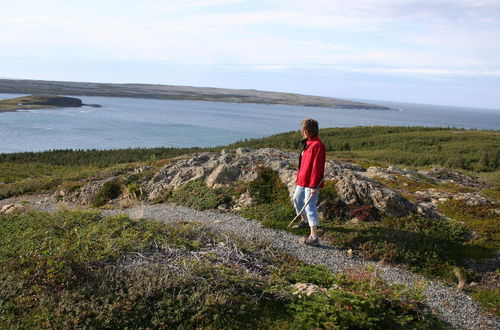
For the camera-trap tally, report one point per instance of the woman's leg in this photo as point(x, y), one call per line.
point(312, 212)
point(299, 200)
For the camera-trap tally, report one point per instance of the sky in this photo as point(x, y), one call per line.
point(422, 51)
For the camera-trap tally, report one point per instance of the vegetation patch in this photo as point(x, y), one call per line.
point(489, 298)
point(433, 248)
point(272, 205)
point(83, 269)
point(109, 191)
point(482, 219)
point(197, 195)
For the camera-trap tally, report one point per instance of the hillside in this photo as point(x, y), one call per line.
point(170, 92)
point(432, 230)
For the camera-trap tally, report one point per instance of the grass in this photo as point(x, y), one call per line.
point(74, 269)
point(489, 298)
point(197, 195)
point(482, 219)
point(26, 101)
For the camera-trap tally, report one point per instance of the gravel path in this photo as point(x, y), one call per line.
point(453, 306)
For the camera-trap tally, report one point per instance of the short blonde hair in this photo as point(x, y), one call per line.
point(310, 126)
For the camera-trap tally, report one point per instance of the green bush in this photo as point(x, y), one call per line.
point(272, 215)
point(110, 190)
point(267, 187)
point(272, 205)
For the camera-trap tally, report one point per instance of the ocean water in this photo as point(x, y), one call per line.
point(130, 122)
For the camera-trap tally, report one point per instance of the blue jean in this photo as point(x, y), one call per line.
point(300, 197)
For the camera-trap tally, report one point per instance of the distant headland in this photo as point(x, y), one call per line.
point(41, 102)
point(178, 93)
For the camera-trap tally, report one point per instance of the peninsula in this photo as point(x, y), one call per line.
point(171, 92)
point(41, 102)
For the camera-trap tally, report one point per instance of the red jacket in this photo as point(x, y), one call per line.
point(311, 163)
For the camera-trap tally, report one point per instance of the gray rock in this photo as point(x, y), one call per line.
point(355, 189)
point(223, 175)
point(241, 151)
point(445, 174)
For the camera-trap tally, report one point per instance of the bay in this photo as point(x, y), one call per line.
point(132, 122)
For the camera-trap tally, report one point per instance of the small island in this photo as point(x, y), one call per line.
point(40, 102)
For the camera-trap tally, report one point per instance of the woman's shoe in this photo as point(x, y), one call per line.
point(312, 241)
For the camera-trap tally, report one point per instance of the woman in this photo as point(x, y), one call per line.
point(310, 179)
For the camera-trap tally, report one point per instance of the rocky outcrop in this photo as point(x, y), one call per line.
point(442, 174)
point(355, 189)
point(219, 169)
point(390, 173)
point(358, 193)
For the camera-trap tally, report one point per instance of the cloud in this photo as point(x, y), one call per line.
point(435, 38)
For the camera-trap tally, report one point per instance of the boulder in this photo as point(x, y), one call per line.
point(222, 175)
point(241, 151)
point(355, 189)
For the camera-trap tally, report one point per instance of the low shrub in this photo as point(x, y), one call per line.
point(197, 195)
point(110, 190)
point(482, 219)
point(272, 205)
point(272, 215)
point(356, 299)
point(429, 247)
point(267, 187)
point(489, 298)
